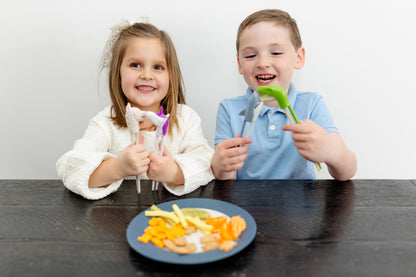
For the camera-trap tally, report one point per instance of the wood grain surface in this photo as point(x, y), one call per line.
point(304, 228)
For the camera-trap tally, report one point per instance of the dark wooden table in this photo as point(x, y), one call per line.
point(304, 228)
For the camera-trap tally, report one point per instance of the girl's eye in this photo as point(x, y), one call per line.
point(135, 65)
point(159, 67)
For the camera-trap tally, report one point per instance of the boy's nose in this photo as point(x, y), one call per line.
point(263, 61)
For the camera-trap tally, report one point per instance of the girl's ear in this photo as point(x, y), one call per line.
point(300, 58)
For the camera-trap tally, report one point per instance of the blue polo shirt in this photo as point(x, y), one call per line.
point(272, 154)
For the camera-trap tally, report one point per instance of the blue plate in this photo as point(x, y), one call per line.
point(149, 250)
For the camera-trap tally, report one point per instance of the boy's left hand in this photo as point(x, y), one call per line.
point(164, 168)
point(310, 139)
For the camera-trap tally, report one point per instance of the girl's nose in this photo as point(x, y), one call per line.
point(146, 74)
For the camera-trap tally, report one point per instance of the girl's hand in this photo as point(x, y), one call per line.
point(165, 169)
point(229, 156)
point(311, 140)
point(134, 159)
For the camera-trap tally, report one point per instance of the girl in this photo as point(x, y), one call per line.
point(143, 71)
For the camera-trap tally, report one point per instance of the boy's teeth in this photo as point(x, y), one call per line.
point(265, 77)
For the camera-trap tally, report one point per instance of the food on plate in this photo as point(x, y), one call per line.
point(186, 249)
point(180, 215)
point(227, 245)
point(172, 229)
point(209, 242)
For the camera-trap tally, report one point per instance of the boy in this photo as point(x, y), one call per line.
point(269, 49)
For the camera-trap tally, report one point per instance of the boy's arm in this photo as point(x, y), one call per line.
point(315, 144)
point(229, 157)
point(342, 162)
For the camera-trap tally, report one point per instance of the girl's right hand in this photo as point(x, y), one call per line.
point(134, 159)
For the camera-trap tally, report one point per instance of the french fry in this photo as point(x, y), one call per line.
point(180, 215)
point(156, 208)
point(200, 224)
point(163, 214)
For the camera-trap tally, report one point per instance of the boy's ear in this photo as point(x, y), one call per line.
point(239, 65)
point(300, 58)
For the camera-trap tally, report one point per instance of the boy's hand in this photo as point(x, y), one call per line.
point(165, 169)
point(317, 145)
point(310, 139)
point(134, 159)
point(229, 157)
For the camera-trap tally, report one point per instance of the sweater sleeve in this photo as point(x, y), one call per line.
point(193, 155)
point(76, 166)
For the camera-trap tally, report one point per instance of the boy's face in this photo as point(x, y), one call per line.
point(267, 56)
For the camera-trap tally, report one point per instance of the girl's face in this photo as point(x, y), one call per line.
point(267, 56)
point(144, 73)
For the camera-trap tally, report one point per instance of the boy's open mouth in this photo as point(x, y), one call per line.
point(265, 77)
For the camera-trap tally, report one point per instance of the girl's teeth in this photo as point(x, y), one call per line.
point(145, 88)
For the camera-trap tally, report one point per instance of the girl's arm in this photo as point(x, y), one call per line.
point(102, 141)
point(165, 169)
point(133, 161)
point(190, 152)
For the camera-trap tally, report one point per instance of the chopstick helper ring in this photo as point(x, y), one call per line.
point(280, 95)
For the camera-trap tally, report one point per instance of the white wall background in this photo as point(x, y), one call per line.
point(359, 54)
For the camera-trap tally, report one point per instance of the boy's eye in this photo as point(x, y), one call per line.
point(250, 56)
point(276, 53)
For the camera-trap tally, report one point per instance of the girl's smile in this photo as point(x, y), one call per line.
point(145, 89)
point(144, 73)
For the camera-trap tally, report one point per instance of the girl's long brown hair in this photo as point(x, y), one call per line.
point(175, 95)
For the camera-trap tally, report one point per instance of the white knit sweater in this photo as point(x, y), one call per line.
point(103, 140)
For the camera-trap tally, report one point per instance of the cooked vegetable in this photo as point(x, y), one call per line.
point(157, 231)
point(195, 213)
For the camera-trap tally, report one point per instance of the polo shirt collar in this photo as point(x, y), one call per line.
point(292, 95)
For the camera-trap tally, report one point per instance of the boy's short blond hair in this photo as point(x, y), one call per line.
point(279, 17)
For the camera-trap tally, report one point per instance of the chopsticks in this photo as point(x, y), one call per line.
point(278, 93)
point(161, 121)
point(133, 118)
point(251, 112)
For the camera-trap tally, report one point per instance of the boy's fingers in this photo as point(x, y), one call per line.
point(232, 142)
point(298, 128)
